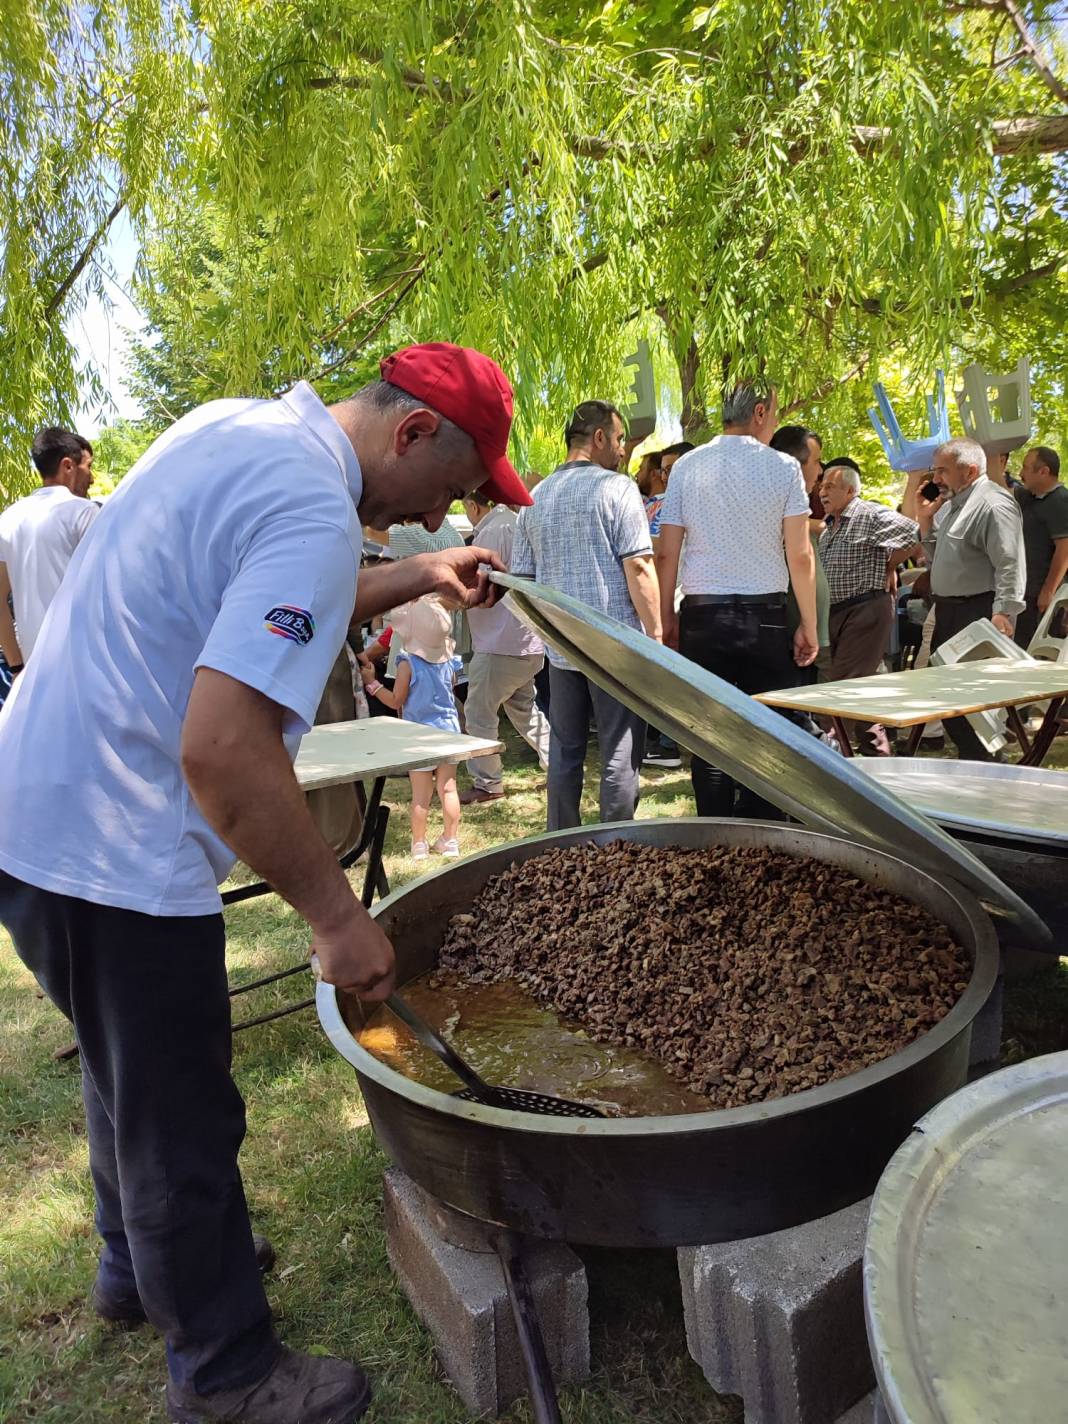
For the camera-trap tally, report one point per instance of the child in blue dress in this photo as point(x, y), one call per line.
point(423, 692)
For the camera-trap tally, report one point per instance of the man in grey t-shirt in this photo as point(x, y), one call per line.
point(586, 534)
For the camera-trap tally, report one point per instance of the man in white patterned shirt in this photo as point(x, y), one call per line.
point(743, 512)
point(861, 544)
point(586, 534)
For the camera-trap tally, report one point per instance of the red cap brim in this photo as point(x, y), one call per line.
point(502, 484)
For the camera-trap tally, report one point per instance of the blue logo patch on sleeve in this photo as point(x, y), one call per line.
point(286, 621)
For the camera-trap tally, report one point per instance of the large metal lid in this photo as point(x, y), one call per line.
point(752, 743)
point(966, 1263)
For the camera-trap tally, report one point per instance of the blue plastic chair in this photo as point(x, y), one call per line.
point(905, 455)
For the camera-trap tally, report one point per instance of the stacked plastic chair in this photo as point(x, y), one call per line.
point(982, 640)
point(1003, 423)
point(903, 454)
point(1050, 642)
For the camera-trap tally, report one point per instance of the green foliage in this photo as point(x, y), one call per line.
point(809, 189)
point(116, 448)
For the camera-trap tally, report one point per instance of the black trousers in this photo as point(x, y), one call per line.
point(147, 996)
point(747, 645)
point(951, 615)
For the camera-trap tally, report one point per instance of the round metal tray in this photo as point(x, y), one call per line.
point(1018, 803)
point(966, 1263)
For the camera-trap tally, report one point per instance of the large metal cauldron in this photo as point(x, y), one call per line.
point(663, 1181)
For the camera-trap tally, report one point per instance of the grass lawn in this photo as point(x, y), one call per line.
point(312, 1171)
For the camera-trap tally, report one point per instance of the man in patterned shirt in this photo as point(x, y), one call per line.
point(586, 535)
point(861, 545)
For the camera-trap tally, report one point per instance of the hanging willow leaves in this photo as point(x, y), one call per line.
point(814, 188)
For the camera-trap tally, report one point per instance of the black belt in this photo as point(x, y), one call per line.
point(860, 598)
point(961, 597)
point(743, 600)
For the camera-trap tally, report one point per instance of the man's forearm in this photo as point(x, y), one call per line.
point(9, 643)
point(802, 566)
point(240, 776)
point(667, 574)
point(644, 593)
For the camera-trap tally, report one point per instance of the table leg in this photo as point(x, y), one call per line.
point(915, 737)
point(1045, 734)
point(1020, 732)
point(843, 736)
point(375, 878)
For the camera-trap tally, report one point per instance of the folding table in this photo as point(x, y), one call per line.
point(931, 694)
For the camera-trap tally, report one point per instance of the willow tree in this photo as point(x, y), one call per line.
point(802, 186)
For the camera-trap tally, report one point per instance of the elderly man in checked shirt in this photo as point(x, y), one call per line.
point(861, 544)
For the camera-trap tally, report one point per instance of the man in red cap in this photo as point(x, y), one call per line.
point(199, 621)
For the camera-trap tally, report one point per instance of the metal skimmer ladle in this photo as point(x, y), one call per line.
point(476, 1089)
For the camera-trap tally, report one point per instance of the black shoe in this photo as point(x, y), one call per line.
point(668, 760)
point(128, 1311)
point(300, 1389)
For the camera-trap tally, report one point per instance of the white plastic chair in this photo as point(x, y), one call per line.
point(1010, 427)
point(1044, 645)
point(982, 640)
point(905, 455)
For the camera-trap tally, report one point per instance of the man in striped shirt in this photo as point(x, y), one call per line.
point(861, 545)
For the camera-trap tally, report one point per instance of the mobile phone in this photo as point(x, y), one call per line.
point(930, 490)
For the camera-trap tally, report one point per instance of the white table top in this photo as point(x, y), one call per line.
point(340, 752)
point(903, 699)
point(1026, 803)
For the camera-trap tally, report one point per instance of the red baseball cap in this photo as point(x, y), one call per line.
point(473, 392)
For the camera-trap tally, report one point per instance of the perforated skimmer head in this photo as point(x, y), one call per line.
point(519, 1100)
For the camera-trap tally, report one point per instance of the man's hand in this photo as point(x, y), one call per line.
point(1004, 623)
point(453, 573)
point(1044, 597)
point(356, 955)
point(806, 646)
point(670, 629)
point(459, 575)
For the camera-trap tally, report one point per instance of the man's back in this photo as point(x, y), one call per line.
point(731, 497)
point(584, 522)
point(233, 544)
point(38, 537)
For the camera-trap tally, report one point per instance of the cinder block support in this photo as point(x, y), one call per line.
point(865, 1411)
point(447, 1268)
point(779, 1319)
point(984, 1054)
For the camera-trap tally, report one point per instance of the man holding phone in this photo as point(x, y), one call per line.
point(975, 552)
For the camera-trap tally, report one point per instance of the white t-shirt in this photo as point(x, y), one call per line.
point(232, 544)
point(38, 537)
point(731, 497)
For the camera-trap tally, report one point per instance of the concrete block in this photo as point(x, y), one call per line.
point(779, 1319)
point(984, 1053)
point(863, 1412)
point(459, 1294)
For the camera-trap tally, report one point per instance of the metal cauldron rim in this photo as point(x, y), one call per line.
point(980, 984)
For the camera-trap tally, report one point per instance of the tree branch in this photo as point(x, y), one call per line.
point(1028, 43)
point(84, 258)
point(827, 388)
point(370, 335)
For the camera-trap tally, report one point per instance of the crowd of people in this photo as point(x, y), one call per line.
point(169, 649)
point(753, 555)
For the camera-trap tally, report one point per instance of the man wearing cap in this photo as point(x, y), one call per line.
point(199, 625)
